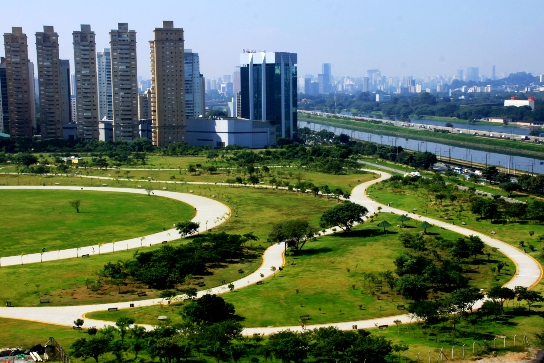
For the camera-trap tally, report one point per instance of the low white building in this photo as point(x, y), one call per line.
point(223, 132)
point(519, 103)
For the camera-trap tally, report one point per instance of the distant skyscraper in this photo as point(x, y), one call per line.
point(86, 83)
point(193, 85)
point(47, 49)
point(459, 75)
point(236, 81)
point(324, 79)
point(493, 75)
point(124, 81)
point(473, 74)
point(269, 89)
point(168, 85)
point(307, 85)
point(18, 84)
point(103, 61)
point(366, 84)
point(65, 97)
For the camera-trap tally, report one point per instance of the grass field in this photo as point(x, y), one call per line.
point(329, 277)
point(32, 219)
point(409, 198)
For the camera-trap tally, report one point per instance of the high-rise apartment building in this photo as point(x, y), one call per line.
point(124, 81)
point(103, 61)
point(194, 106)
point(4, 110)
point(168, 85)
point(268, 83)
point(18, 84)
point(86, 83)
point(65, 97)
point(473, 74)
point(144, 105)
point(47, 50)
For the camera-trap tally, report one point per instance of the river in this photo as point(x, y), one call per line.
point(443, 152)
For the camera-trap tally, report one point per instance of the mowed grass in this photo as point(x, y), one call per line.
point(25, 334)
point(328, 275)
point(36, 219)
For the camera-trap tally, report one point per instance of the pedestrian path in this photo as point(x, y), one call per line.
point(209, 213)
point(529, 273)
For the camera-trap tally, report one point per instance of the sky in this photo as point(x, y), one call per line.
point(399, 37)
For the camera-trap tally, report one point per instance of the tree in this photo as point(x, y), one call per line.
point(75, 204)
point(412, 287)
point(149, 191)
point(384, 224)
point(289, 346)
point(403, 218)
point(26, 159)
point(485, 207)
point(425, 225)
point(501, 294)
point(294, 232)
point(93, 347)
point(187, 228)
point(344, 215)
point(123, 324)
point(208, 309)
point(529, 296)
point(79, 322)
point(425, 310)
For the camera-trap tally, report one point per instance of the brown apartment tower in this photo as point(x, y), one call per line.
point(124, 82)
point(47, 49)
point(168, 85)
point(18, 84)
point(86, 83)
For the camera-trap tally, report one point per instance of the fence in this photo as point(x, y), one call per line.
point(55, 351)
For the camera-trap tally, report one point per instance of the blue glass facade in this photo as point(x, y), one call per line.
point(269, 90)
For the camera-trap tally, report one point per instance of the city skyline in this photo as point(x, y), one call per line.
point(417, 38)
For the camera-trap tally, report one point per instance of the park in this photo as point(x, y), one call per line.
point(343, 278)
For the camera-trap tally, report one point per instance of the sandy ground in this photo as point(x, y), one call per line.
point(511, 357)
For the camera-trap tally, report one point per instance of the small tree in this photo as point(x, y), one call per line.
point(187, 228)
point(75, 204)
point(149, 191)
point(79, 323)
point(294, 232)
point(344, 215)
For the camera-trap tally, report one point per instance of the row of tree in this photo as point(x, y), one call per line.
point(211, 327)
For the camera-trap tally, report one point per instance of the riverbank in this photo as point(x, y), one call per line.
point(510, 147)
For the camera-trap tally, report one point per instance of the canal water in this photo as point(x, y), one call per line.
point(442, 151)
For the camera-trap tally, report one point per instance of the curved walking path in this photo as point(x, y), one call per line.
point(209, 213)
point(529, 273)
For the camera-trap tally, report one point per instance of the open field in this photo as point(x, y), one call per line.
point(36, 219)
point(329, 277)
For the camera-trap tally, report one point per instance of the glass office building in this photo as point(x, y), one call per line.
point(268, 89)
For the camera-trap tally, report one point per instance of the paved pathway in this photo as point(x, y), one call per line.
point(528, 274)
point(209, 213)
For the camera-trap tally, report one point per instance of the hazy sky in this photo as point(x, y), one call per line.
point(399, 37)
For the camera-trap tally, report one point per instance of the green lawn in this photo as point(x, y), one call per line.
point(329, 277)
point(32, 219)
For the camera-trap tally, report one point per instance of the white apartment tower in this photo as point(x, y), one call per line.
point(167, 85)
point(86, 83)
point(194, 106)
point(103, 61)
point(124, 81)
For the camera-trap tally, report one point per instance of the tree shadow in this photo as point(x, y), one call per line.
point(360, 233)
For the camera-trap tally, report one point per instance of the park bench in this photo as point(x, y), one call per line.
point(113, 309)
point(85, 255)
point(76, 327)
point(240, 271)
point(305, 317)
point(383, 326)
point(259, 282)
point(44, 300)
point(401, 307)
point(142, 293)
point(201, 283)
point(163, 242)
